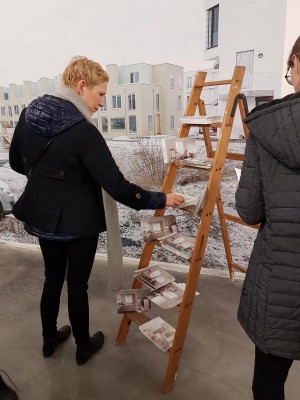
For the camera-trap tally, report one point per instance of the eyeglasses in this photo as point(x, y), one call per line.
point(288, 77)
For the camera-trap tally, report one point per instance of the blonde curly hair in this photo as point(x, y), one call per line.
point(81, 67)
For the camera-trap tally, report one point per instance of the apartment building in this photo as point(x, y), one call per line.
point(142, 100)
point(258, 35)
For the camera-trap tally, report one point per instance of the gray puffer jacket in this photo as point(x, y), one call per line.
point(269, 194)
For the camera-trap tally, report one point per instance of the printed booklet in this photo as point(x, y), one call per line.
point(204, 163)
point(178, 149)
point(167, 296)
point(178, 244)
point(153, 276)
point(155, 227)
point(159, 332)
point(201, 120)
point(133, 300)
point(197, 202)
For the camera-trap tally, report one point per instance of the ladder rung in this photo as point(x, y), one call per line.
point(238, 220)
point(231, 156)
point(239, 267)
point(211, 124)
point(215, 83)
point(138, 318)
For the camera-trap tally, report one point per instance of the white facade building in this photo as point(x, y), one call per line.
point(142, 100)
point(257, 34)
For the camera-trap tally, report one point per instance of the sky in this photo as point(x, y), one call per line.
point(39, 37)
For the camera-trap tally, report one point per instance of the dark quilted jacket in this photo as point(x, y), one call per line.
point(269, 194)
point(63, 193)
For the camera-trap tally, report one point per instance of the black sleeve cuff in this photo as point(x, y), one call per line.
point(156, 200)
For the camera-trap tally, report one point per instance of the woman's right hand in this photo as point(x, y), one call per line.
point(174, 200)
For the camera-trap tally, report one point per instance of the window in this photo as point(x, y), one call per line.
point(172, 81)
point(3, 111)
point(157, 102)
point(132, 124)
point(5, 96)
point(104, 108)
point(116, 101)
point(23, 106)
point(189, 82)
point(212, 27)
point(134, 77)
point(16, 110)
point(9, 111)
point(172, 122)
point(180, 81)
point(178, 102)
point(117, 123)
point(150, 122)
point(131, 101)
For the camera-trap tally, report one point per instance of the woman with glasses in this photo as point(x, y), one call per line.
point(269, 194)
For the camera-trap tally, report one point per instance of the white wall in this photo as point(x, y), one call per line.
point(269, 28)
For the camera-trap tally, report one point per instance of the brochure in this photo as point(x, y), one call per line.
point(167, 296)
point(177, 149)
point(133, 300)
point(159, 332)
point(179, 244)
point(201, 120)
point(153, 276)
point(155, 227)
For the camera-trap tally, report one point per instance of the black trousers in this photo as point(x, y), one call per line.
point(73, 258)
point(270, 373)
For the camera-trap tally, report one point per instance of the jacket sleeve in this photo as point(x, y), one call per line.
point(98, 159)
point(15, 158)
point(249, 195)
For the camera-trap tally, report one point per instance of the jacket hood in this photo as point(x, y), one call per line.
point(49, 115)
point(276, 126)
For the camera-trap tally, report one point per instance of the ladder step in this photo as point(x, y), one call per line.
point(238, 220)
point(214, 83)
point(239, 267)
point(138, 318)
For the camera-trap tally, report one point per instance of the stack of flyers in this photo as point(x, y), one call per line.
point(153, 276)
point(167, 296)
point(159, 332)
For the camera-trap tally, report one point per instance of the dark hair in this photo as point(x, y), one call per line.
point(295, 51)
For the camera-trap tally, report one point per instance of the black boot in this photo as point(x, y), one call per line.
point(86, 350)
point(50, 344)
point(6, 392)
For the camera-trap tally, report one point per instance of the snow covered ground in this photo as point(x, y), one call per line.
point(241, 237)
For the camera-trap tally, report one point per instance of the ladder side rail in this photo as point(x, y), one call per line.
point(202, 234)
point(205, 130)
point(225, 236)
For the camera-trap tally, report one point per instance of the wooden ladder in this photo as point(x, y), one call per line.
point(212, 198)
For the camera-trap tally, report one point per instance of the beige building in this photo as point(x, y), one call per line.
point(142, 100)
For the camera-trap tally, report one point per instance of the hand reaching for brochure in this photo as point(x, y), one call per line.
point(174, 200)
